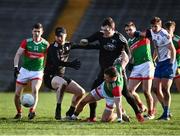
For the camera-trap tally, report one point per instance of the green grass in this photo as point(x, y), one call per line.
point(45, 124)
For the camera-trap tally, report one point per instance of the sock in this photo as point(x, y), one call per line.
point(58, 107)
point(166, 111)
point(31, 110)
point(70, 111)
point(76, 114)
point(93, 109)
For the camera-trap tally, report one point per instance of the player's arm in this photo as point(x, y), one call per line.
point(86, 46)
point(57, 62)
point(118, 101)
point(146, 33)
point(92, 38)
point(173, 52)
point(19, 53)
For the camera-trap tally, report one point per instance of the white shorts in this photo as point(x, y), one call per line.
point(99, 93)
point(25, 75)
point(143, 71)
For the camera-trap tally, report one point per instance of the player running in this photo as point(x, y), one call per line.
point(33, 51)
point(142, 70)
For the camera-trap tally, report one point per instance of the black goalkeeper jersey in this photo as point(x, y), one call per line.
point(110, 48)
point(57, 57)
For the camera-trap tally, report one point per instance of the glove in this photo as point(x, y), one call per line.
point(76, 64)
point(16, 72)
point(130, 66)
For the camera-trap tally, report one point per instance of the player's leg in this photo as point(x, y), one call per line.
point(93, 96)
point(93, 105)
point(88, 99)
point(21, 81)
point(36, 78)
point(35, 85)
point(149, 99)
point(166, 84)
point(19, 89)
point(177, 79)
point(132, 86)
point(58, 84)
point(132, 102)
point(78, 92)
point(177, 83)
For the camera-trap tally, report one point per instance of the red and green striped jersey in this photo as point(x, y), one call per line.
point(176, 42)
point(34, 53)
point(140, 49)
point(114, 88)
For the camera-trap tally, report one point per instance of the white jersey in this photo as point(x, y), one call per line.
point(161, 40)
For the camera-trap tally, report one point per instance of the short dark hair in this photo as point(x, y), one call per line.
point(130, 23)
point(59, 31)
point(37, 26)
point(108, 22)
point(156, 20)
point(111, 72)
point(169, 24)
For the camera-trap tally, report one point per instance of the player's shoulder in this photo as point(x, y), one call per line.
point(44, 41)
point(177, 37)
point(28, 39)
point(120, 37)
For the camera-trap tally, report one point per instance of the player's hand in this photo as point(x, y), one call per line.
point(76, 64)
point(83, 42)
point(16, 72)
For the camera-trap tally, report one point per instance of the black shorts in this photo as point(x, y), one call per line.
point(48, 78)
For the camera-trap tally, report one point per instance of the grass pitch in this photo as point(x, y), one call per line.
point(45, 124)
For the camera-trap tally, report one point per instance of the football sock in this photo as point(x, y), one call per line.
point(31, 110)
point(93, 109)
point(166, 111)
point(70, 111)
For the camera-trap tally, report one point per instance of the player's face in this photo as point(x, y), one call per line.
point(156, 27)
point(107, 31)
point(37, 33)
point(130, 31)
point(171, 30)
point(61, 39)
point(109, 79)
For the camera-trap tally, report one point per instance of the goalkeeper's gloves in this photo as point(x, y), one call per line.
point(16, 72)
point(76, 64)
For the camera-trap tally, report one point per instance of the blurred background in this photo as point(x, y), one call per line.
point(81, 18)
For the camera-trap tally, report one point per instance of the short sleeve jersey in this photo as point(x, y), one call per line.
point(114, 89)
point(140, 50)
point(161, 40)
point(34, 53)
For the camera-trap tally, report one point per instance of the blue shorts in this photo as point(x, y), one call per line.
point(164, 69)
